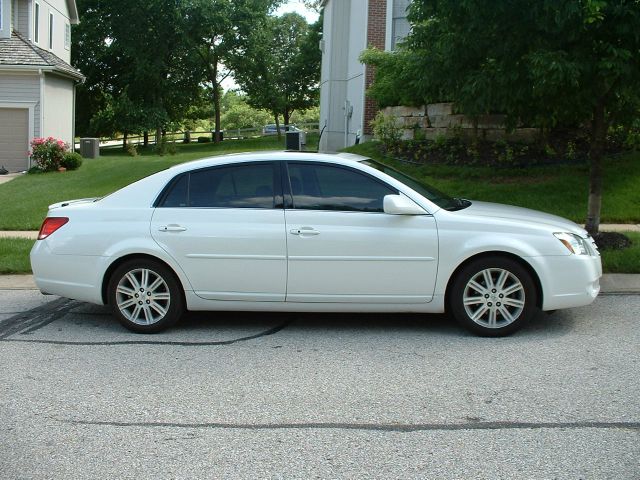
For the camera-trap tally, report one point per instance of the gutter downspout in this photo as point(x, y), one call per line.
point(73, 119)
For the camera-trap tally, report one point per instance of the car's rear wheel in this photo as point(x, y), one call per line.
point(145, 296)
point(493, 296)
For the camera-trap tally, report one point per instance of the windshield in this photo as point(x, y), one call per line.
point(427, 191)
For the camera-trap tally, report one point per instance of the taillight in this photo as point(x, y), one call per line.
point(50, 225)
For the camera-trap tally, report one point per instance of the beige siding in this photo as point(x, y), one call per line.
point(22, 89)
point(60, 18)
point(58, 108)
point(22, 17)
point(5, 19)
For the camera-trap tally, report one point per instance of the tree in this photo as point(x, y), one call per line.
point(548, 63)
point(139, 73)
point(281, 71)
point(218, 31)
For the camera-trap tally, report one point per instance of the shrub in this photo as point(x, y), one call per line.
point(204, 139)
point(165, 148)
point(132, 150)
point(386, 129)
point(48, 153)
point(71, 160)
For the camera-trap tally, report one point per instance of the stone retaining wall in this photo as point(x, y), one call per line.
point(438, 119)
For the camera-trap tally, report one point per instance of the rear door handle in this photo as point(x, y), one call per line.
point(172, 228)
point(304, 231)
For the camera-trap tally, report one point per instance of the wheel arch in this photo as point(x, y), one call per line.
point(142, 256)
point(497, 253)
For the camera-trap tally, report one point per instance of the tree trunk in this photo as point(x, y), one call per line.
point(216, 106)
point(124, 141)
point(158, 135)
point(146, 138)
point(287, 117)
point(598, 135)
point(275, 114)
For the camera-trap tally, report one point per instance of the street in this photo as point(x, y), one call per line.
point(253, 395)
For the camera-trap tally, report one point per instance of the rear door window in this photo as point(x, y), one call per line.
point(250, 185)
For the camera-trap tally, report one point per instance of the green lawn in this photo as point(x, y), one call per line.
point(562, 190)
point(25, 200)
point(623, 261)
point(14, 256)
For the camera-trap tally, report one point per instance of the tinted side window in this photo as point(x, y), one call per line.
point(234, 186)
point(327, 187)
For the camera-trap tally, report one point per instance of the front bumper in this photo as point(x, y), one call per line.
point(568, 281)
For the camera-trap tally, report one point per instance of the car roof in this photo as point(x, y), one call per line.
point(342, 158)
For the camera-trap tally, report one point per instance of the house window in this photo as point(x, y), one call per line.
point(36, 23)
point(67, 36)
point(400, 27)
point(50, 31)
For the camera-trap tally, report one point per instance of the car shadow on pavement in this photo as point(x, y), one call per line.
point(71, 322)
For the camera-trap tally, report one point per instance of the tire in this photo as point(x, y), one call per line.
point(493, 296)
point(145, 296)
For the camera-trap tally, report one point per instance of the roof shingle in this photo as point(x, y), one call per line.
point(19, 51)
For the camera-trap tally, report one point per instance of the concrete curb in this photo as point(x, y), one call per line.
point(610, 283)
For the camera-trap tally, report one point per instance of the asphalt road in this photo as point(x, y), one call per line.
point(317, 396)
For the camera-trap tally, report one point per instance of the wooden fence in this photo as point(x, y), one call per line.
point(181, 136)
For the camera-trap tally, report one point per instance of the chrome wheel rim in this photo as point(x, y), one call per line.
point(143, 297)
point(494, 298)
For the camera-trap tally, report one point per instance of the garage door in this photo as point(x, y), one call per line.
point(14, 131)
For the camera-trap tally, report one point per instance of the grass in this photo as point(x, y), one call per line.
point(25, 200)
point(623, 261)
point(561, 190)
point(14, 255)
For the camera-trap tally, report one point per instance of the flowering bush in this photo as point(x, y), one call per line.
point(48, 153)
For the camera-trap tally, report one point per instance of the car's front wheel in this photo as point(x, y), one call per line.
point(145, 296)
point(493, 296)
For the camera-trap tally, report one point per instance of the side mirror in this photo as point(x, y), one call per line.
point(401, 205)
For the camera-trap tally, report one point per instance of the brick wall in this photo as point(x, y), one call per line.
point(376, 34)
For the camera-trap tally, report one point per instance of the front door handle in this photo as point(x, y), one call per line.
point(172, 228)
point(304, 231)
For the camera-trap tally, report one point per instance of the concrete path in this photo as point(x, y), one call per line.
point(31, 235)
point(605, 227)
point(8, 177)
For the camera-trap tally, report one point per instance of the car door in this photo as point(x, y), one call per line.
point(225, 227)
point(342, 247)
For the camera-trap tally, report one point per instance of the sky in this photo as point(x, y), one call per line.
point(291, 6)
point(298, 7)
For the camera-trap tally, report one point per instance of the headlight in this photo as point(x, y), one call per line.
point(574, 243)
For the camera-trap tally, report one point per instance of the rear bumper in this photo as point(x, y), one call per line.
point(72, 276)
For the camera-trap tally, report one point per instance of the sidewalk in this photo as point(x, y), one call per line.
point(605, 227)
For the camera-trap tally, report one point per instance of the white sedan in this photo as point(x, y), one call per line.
point(291, 231)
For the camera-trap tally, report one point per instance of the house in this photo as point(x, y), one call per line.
point(37, 83)
point(349, 27)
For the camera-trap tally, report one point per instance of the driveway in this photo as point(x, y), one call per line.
point(317, 396)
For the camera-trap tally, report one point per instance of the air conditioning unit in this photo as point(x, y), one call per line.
point(295, 140)
point(90, 147)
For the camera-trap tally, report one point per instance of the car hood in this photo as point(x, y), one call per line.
point(78, 201)
point(521, 215)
